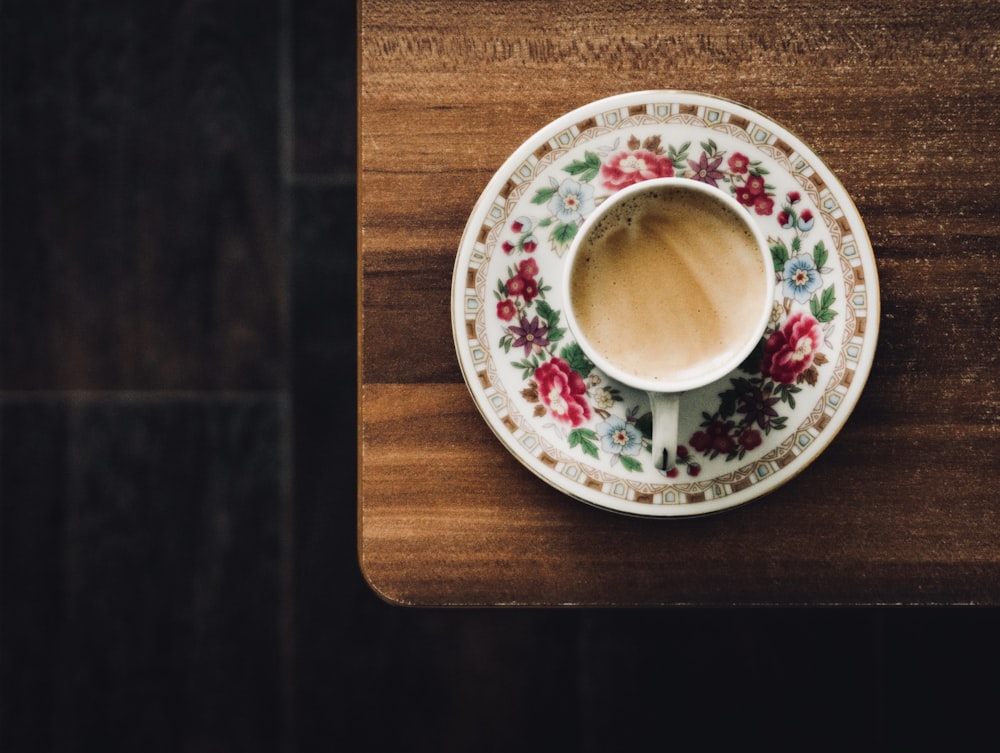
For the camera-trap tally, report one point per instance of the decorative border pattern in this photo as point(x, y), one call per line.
point(579, 475)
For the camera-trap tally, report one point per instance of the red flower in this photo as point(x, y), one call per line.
point(563, 391)
point(714, 437)
point(530, 244)
point(739, 163)
point(522, 287)
point(763, 205)
point(527, 269)
point(506, 309)
point(789, 351)
point(755, 185)
point(515, 286)
point(507, 247)
point(530, 289)
point(744, 197)
point(628, 167)
point(750, 438)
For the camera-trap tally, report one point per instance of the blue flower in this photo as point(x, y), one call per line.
point(572, 201)
point(801, 278)
point(619, 437)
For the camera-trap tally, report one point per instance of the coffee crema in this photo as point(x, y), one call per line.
point(669, 285)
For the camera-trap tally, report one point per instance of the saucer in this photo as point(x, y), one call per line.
point(586, 434)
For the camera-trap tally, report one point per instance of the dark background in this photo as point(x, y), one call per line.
point(178, 566)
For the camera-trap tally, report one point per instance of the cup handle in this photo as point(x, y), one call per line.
point(666, 411)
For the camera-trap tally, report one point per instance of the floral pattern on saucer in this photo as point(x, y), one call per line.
point(590, 436)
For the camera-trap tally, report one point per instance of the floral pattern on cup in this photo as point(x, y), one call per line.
point(590, 411)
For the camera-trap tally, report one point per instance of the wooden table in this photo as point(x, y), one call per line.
point(898, 100)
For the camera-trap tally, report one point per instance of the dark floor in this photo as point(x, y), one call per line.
point(177, 451)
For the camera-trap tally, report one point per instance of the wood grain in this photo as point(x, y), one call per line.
point(897, 100)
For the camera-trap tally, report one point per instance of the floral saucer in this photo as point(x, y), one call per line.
point(589, 436)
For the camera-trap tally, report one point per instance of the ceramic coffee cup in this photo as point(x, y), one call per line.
point(668, 287)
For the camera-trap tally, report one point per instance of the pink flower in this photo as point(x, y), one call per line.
point(563, 391)
point(628, 167)
point(739, 163)
point(506, 309)
point(789, 351)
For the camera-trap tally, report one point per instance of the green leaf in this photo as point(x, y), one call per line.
point(727, 406)
point(573, 355)
point(547, 312)
point(631, 464)
point(584, 439)
point(564, 233)
point(527, 366)
point(644, 424)
point(543, 195)
point(829, 295)
point(556, 334)
point(751, 365)
point(779, 254)
point(821, 306)
point(585, 169)
point(819, 255)
point(678, 157)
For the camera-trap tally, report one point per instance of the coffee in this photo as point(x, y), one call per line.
point(669, 285)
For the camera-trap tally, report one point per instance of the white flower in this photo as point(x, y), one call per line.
point(572, 201)
point(603, 399)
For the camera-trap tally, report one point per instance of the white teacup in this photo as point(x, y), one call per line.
point(668, 286)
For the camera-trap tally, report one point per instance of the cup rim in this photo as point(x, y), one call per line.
point(659, 385)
